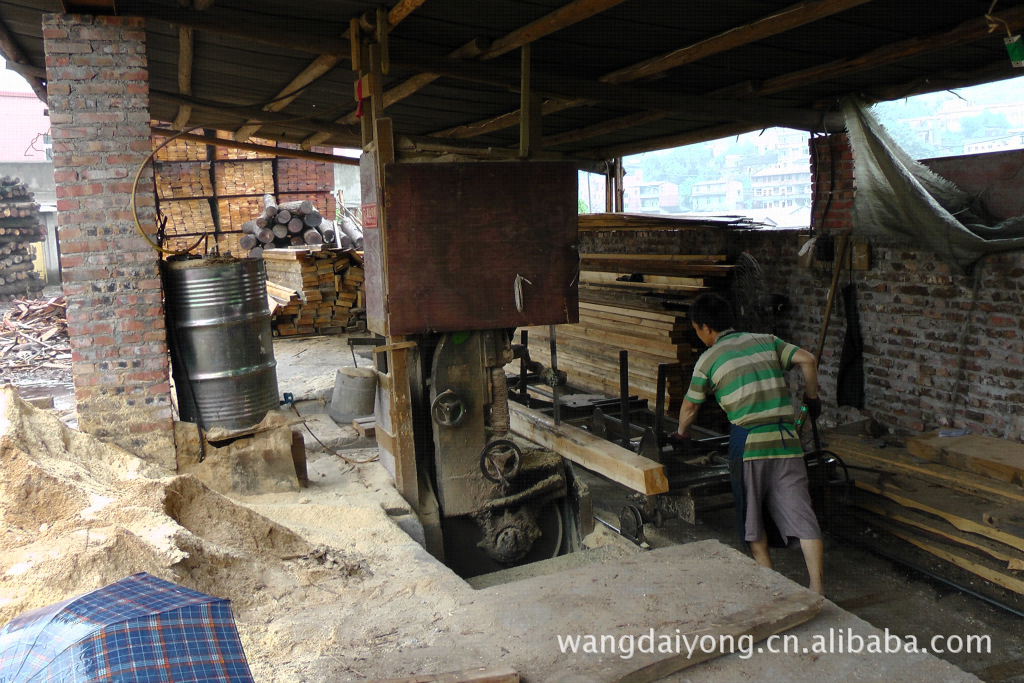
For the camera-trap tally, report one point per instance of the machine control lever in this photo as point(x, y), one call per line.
point(448, 410)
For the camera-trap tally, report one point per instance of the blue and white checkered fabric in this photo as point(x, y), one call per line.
point(140, 629)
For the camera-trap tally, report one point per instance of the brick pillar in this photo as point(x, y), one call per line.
point(98, 91)
point(832, 178)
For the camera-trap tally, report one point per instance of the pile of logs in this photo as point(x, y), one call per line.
point(292, 224)
point(34, 335)
point(317, 292)
point(20, 226)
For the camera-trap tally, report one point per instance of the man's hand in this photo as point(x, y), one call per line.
point(813, 406)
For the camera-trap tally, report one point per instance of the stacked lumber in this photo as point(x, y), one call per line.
point(20, 226)
point(304, 175)
point(245, 177)
point(318, 291)
point(187, 217)
point(34, 335)
point(179, 150)
point(288, 224)
point(635, 303)
point(185, 180)
point(600, 222)
point(236, 211)
point(957, 499)
point(233, 153)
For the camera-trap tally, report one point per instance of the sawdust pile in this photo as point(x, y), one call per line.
point(77, 513)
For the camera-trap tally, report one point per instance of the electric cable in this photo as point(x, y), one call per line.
point(331, 450)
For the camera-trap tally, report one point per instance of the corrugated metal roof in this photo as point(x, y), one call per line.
point(750, 64)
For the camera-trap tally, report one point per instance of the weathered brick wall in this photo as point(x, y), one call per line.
point(919, 319)
point(98, 91)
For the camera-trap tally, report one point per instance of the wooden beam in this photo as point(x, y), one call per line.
point(604, 128)
point(344, 136)
point(529, 106)
point(185, 54)
point(787, 19)
point(564, 16)
point(317, 68)
point(12, 53)
point(604, 457)
point(967, 32)
point(401, 11)
point(252, 147)
point(27, 70)
point(470, 130)
point(678, 140)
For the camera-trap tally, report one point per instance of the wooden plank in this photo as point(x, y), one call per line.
point(787, 19)
point(483, 674)
point(958, 557)
point(993, 458)
point(898, 460)
point(611, 461)
point(885, 508)
point(561, 18)
point(759, 623)
point(962, 511)
point(404, 447)
point(598, 276)
point(646, 315)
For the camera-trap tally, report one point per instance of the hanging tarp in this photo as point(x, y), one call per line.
point(899, 198)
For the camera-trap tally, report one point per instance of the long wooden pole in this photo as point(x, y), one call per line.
point(279, 151)
point(844, 241)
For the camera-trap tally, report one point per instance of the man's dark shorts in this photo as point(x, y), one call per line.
point(783, 483)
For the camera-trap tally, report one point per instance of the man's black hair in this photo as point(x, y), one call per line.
point(713, 311)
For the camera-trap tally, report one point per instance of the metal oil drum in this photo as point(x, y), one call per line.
point(218, 327)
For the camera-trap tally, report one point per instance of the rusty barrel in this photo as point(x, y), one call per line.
point(218, 327)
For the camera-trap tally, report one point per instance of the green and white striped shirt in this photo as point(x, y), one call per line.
point(745, 373)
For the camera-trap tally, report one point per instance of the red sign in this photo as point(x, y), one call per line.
point(369, 216)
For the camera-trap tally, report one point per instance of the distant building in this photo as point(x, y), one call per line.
point(716, 195)
point(1013, 141)
point(649, 197)
point(781, 187)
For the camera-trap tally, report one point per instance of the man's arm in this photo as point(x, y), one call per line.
point(687, 415)
point(809, 368)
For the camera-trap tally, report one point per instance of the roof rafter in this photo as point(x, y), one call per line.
point(13, 53)
point(790, 18)
point(320, 66)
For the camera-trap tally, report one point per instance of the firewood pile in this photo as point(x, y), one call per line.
point(288, 224)
point(317, 291)
point(20, 226)
point(34, 336)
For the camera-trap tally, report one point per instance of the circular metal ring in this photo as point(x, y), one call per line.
point(448, 410)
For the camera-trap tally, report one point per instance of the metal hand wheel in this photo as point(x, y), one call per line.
point(448, 410)
point(500, 461)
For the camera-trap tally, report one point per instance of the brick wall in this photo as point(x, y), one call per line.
point(98, 91)
point(916, 315)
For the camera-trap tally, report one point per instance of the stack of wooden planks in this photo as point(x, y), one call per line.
point(236, 153)
point(600, 222)
point(317, 291)
point(245, 177)
point(635, 303)
point(188, 180)
point(959, 499)
point(20, 227)
point(179, 150)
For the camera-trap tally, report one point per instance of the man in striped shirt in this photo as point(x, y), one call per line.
point(744, 371)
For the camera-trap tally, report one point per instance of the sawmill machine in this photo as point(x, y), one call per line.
point(457, 256)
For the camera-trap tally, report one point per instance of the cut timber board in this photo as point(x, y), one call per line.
point(857, 451)
point(676, 591)
point(963, 511)
point(611, 461)
point(994, 458)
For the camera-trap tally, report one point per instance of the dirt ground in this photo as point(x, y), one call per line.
point(328, 583)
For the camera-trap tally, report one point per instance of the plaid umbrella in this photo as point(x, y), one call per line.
point(140, 629)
